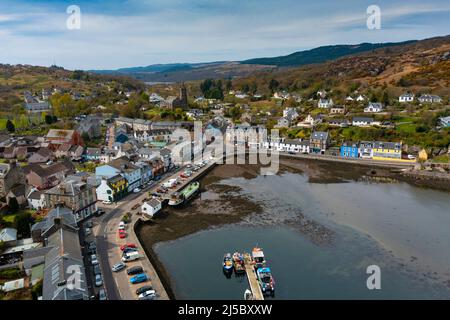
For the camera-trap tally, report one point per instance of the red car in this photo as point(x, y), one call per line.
point(122, 234)
point(128, 245)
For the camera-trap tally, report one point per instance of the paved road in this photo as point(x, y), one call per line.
point(117, 285)
point(107, 244)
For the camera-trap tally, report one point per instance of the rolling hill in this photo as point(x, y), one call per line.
point(177, 72)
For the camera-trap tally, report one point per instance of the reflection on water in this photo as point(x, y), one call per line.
point(401, 228)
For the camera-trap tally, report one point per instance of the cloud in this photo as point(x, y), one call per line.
point(132, 32)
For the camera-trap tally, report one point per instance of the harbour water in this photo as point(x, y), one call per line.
point(320, 228)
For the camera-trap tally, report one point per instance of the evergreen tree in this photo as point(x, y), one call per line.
point(10, 126)
point(13, 205)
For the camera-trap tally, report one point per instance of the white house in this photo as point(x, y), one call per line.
point(288, 145)
point(325, 103)
point(406, 97)
point(429, 98)
point(160, 135)
point(283, 123)
point(155, 98)
point(362, 121)
point(36, 199)
point(150, 208)
point(373, 107)
point(241, 96)
point(360, 98)
point(309, 121)
point(283, 95)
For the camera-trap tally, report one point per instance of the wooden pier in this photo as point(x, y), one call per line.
point(251, 276)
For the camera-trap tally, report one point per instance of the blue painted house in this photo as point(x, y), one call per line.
point(92, 154)
point(350, 150)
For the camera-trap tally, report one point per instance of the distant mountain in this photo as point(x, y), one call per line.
point(155, 68)
point(321, 54)
point(176, 72)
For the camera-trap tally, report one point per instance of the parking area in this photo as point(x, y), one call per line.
point(110, 231)
point(91, 259)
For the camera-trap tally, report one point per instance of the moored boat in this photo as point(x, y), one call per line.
point(258, 258)
point(180, 198)
point(265, 280)
point(248, 295)
point(238, 263)
point(227, 263)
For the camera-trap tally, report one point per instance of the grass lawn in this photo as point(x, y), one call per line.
point(9, 219)
point(407, 128)
point(441, 159)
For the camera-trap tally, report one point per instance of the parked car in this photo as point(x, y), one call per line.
point(102, 294)
point(127, 250)
point(148, 295)
point(94, 260)
point(122, 234)
point(88, 224)
point(98, 280)
point(131, 256)
point(92, 245)
point(136, 190)
point(121, 225)
point(411, 157)
point(128, 245)
point(99, 212)
point(118, 266)
point(106, 202)
point(142, 277)
point(135, 270)
point(143, 289)
point(97, 269)
point(88, 231)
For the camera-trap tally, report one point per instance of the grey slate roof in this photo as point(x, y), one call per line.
point(65, 214)
point(62, 263)
point(319, 135)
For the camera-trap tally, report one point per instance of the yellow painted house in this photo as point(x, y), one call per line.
point(112, 189)
point(387, 150)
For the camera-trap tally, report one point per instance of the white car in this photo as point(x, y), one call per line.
point(94, 260)
point(411, 157)
point(148, 295)
point(106, 202)
point(98, 280)
point(121, 225)
point(136, 190)
point(88, 231)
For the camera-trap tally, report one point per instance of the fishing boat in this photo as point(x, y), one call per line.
point(238, 263)
point(258, 258)
point(227, 263)
point(265, 280)
point(182, 197)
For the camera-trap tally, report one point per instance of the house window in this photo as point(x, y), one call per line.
point(108, 191)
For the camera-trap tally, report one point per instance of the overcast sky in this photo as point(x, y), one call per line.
point(125, 33)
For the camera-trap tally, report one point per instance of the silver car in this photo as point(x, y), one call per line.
point(98, 280)
point(118, 266)
point(102, 294)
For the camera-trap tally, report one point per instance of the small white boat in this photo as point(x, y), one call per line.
point(248, 295)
